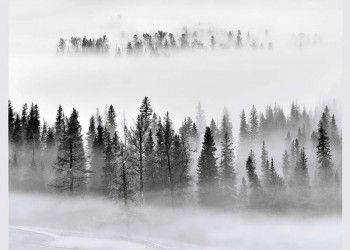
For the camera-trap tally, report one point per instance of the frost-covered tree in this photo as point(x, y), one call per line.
point(137, 137)
point(70, 167)
point(111, 120)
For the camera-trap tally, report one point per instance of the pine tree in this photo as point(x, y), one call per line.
point(185, 162)
point(226, 125)
point(264, 165)
point(11, 120)
point(43, 134)
point(168, 143)
point(239, 43)
point(227, 171)
point(243, 193)
point(324, 155)
point(24, 121)
point(254, 125)
point(334, 137)
point(137, 137)
point(151, 171)
point(243, 130)
point(16, 137)
point(286, 165)
point(214, 130)
point(252, 176)
point(314, 138)
point(301, 178)
point(123, 187)
point(33, 128)
point(325, 118)
point(109, 167)
point(97, 159)
point(59, 124)
point(200, 119)
point(207, 171)
point(195, 135)
point(288, 139)
point(275, 181)
point(91, 134)
point(71, 172)
point(212, 42)
point(50, 140)
point(111, 120)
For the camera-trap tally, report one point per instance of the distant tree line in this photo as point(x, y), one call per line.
point(162, 42)
point(83, 45)
point(150, 161)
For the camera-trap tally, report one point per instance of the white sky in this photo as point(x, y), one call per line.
point(234, 79)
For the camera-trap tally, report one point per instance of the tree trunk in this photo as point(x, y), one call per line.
point(71, 167)
point(171, 180)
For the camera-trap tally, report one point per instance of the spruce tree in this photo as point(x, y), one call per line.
point(91, 134)
point(207, 171)
point(97, 160)
point(239, 43)
point(226, 126)
point(324, 155)
point(168, 143)
point(24, 121)
point(109, 167)
point(243, 130)
point(325, 119)
point(16, 137)
point(254, 182)
point(137, 138)
point(264, 165)
point(71, 171)
point(11, 120)
point(111, 120)
point(286, 165)
point(243, 193)
point(301, 178)
point(254, 125)
point(334, 136)
point(214, 130)
point(59, 124)
point(195, 135)
point(200, 119)
point(275, 181)
point(151, 171)
point(227, 171)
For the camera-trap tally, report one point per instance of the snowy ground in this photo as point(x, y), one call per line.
point(47, 222)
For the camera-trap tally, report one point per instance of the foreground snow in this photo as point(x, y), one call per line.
point(51, 222)
point(35, 238)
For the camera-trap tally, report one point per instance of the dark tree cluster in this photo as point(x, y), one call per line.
point(150, 161)
point(161, 42)
point(78, 45)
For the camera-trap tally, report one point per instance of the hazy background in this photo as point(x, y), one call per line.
point(235, 79)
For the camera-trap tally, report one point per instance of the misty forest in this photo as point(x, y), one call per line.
point(194, 125)
point(162, 42)
point(150, 161)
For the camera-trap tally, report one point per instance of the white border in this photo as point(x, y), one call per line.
point(3, 125)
